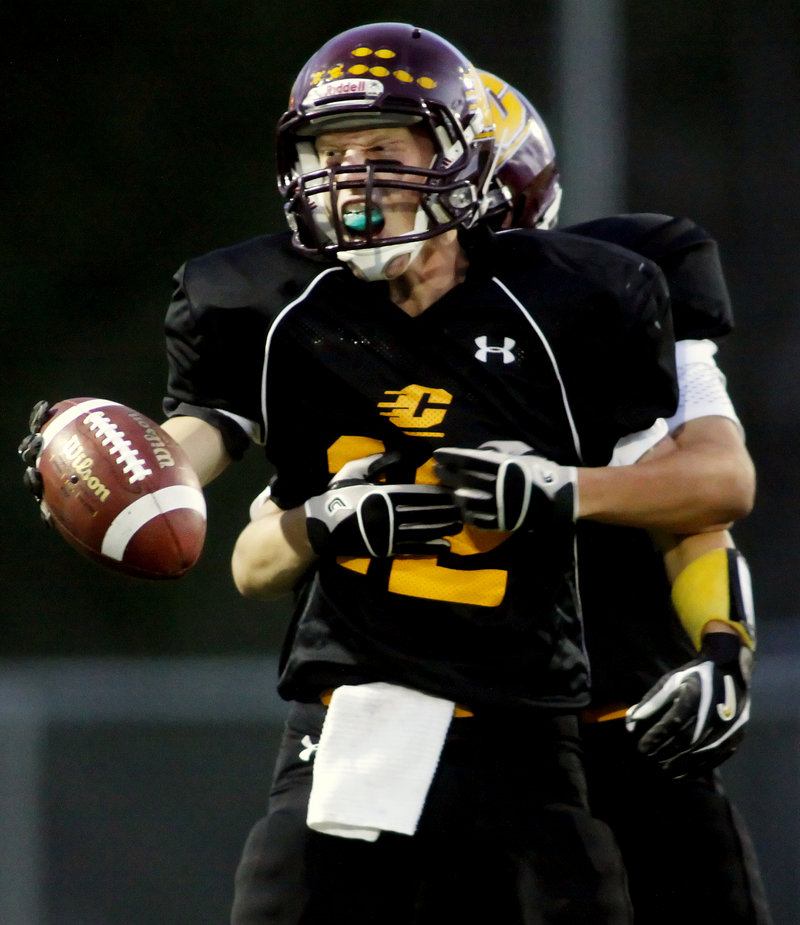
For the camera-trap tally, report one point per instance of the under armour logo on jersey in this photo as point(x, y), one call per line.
point(485, 348)
point(310, 747)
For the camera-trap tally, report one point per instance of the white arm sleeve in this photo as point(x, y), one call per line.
point(702, 393)
point(701, 383)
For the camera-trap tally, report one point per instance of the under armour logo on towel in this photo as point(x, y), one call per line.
point(310, 747)
point(484, 349)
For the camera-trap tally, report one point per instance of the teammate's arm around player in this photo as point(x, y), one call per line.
point(272, 552)
point(709, 482)
point(698, 482)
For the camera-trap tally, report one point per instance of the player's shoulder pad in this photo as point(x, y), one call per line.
point(649, 233)
point(262, 271)
point(690, 259)
point(607, 264)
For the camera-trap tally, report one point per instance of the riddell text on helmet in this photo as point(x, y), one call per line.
point(343, 87)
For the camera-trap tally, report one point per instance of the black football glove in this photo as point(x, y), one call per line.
point(30, 449)
point(503, 485)
point(357, 517)
point(694, 718)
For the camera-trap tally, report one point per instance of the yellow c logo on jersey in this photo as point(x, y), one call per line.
point(416, 409)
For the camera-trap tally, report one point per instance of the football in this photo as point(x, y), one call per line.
point(120, 490)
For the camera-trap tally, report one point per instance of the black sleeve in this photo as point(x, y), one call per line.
point(215, 357)
point(689, 258)
point(300, 427)
point(217, 327)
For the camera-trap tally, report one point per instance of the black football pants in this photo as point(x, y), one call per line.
point(687, 852)
point(505, 839)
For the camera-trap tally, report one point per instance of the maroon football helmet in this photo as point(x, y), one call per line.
point(525, 191)
point(373, 76)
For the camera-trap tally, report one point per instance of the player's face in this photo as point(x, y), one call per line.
point(393, 210)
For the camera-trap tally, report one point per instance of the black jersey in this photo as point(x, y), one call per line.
point(555, 340)
point(216, 329)
point(633, 634)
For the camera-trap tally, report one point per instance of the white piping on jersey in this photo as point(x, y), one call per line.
point(284, 311)
point(251, 428)
point(576, 441)
point(259, 501)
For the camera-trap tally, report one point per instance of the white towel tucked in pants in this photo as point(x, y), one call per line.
point(378, 752)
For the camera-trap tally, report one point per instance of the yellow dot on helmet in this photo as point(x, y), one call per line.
point(404, 76)
point(357, 69)
point(427, 82)
point(361, 52)
point(384, 53)
point(379, 71)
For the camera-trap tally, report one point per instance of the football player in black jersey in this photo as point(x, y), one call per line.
point(479, 621)
point(638, 651)
point(410, 339)
point(391, 326)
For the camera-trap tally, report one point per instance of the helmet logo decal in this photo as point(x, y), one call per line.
point(510, 119)
point(416, 409)
point(376, 68)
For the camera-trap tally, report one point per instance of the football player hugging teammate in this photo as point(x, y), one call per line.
point(688, 724)
point(446, 406)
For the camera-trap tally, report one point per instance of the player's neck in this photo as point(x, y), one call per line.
point(440, 266)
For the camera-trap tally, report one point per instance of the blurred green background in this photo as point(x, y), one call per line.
point(138, 134)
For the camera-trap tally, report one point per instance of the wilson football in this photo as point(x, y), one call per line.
point(120, 489)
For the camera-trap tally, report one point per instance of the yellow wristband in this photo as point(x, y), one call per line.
point(702, 592)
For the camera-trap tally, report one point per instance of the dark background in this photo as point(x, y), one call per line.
point(137, 134)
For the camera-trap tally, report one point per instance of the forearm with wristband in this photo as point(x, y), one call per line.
point(693, 719)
